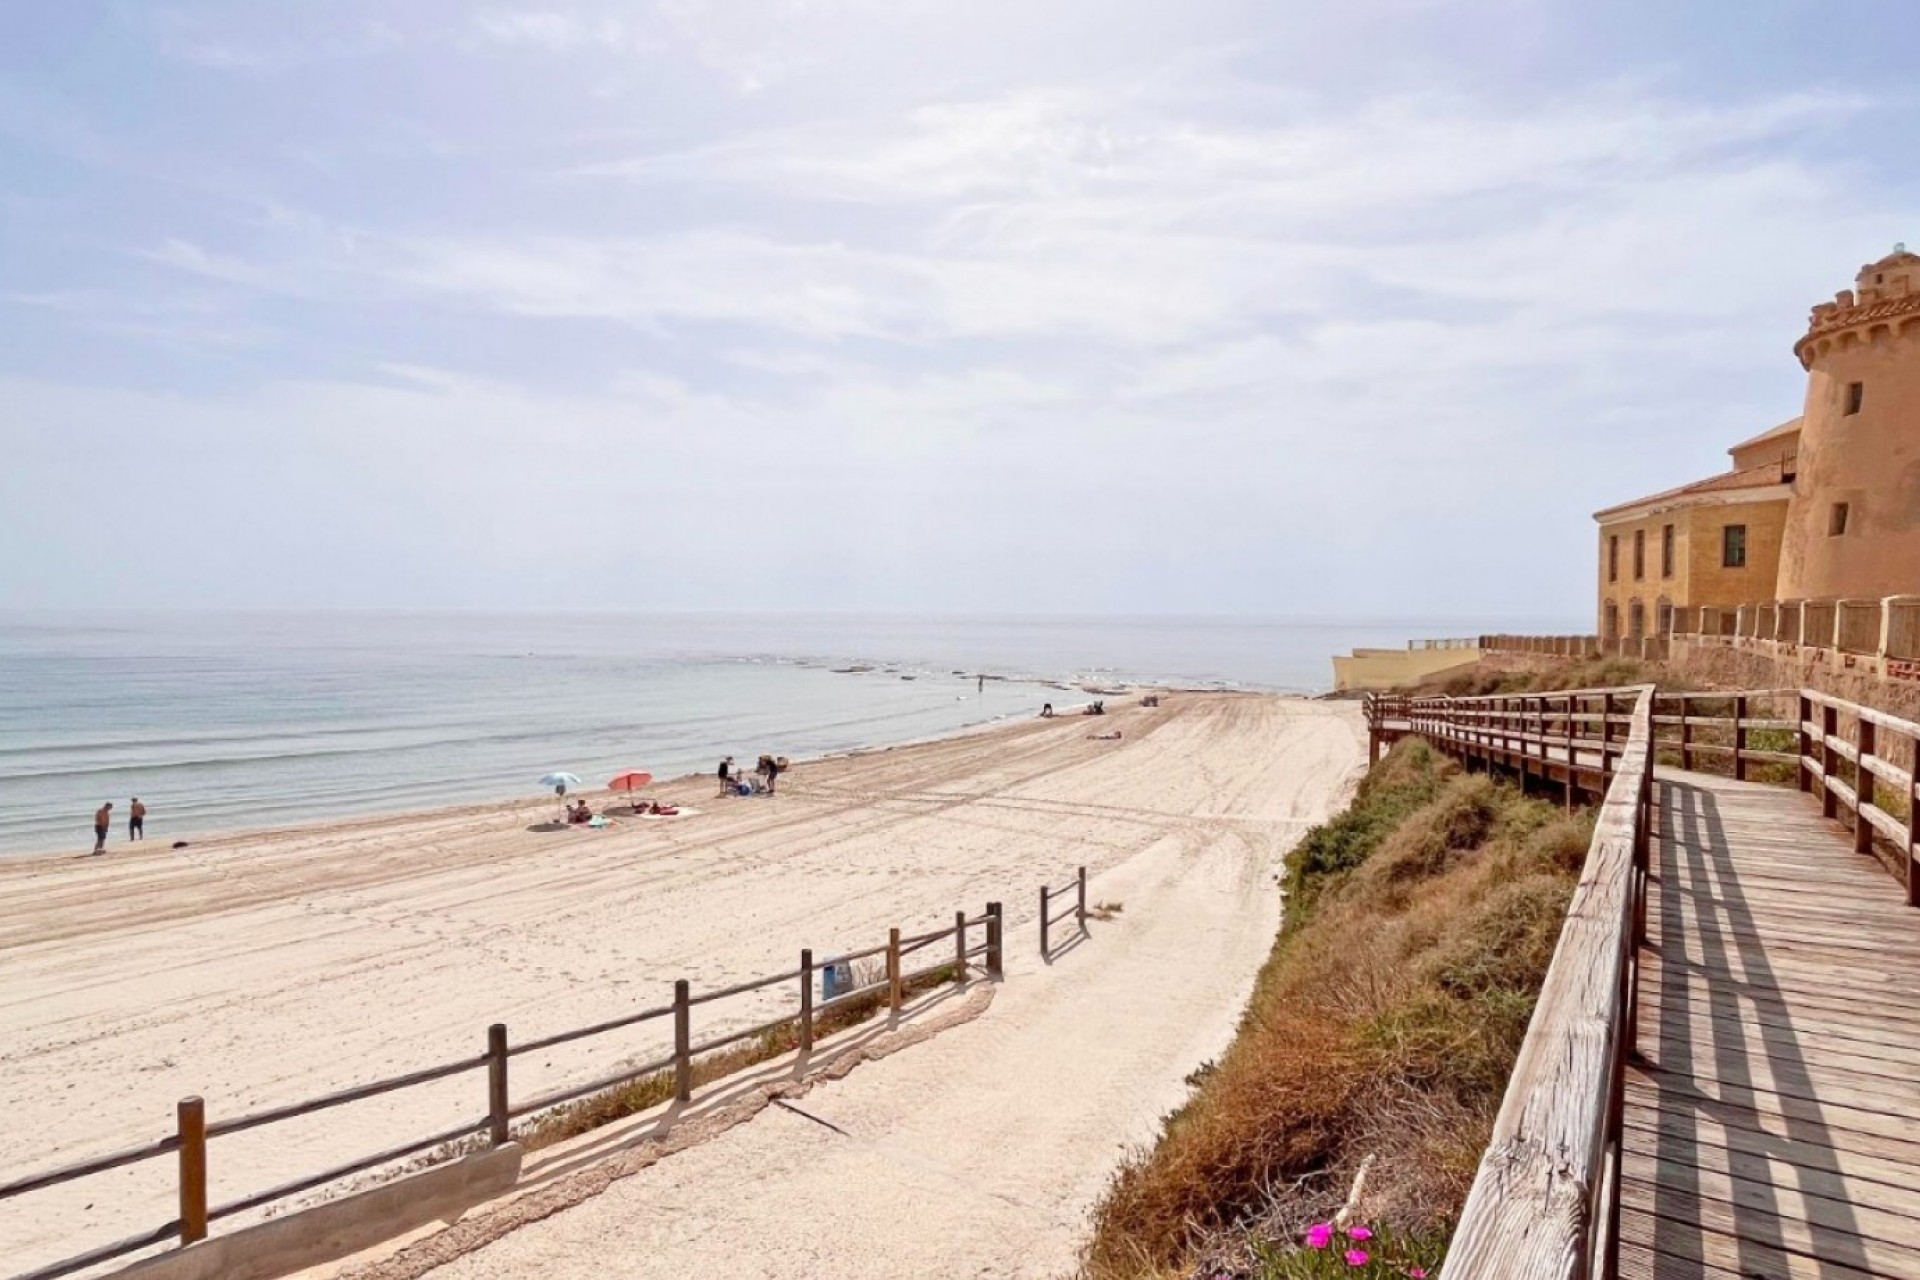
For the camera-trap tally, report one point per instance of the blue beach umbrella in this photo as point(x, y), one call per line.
point(559, 782)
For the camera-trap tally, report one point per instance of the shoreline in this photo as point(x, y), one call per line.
point(219, 837)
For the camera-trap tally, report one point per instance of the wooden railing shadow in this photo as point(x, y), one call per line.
point(1692, 851)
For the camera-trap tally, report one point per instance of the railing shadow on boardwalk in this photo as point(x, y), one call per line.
point(1698, 891)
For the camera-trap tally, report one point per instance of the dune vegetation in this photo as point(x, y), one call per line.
point(1419, 924)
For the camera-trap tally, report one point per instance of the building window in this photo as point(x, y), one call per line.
point(1666, 551)
point(1837, 520)
point(1663, 618)
point(1733, 546)
point(1636, 621)
point(1610, 621)
point(1613, 558)
point(1639, 554)
point(1856, 394)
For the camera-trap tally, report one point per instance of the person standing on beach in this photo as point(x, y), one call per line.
point(726, 775)
point(137, 820)
point(102, 819)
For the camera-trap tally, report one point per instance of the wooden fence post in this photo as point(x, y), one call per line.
point(806, 999)
point(1913, 831)
point(191, 1118)
point(893, 969)
point(1806, 744)
point(682, 1042)
point(497, 1108)
point(1863, 787)
point(1643, 855)
point(1829, 760)
point(959, 948)
point(995, 956)
point(1043, 920)
point(1081, 908)
point(1686, 733)
point(1740, 738)
point(1606, 743)
point(1573, 758)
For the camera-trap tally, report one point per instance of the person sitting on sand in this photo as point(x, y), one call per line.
point(102, 819)
point(579, 812)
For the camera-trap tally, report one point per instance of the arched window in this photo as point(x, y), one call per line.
point(1663, 617)
point(1610, 622)
point(1637, 620)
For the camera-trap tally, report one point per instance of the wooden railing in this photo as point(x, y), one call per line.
point(1707, 728)
point(187, 1145)
point(1851, 756)
point(1544, 1205)
point(1572, 737)
point(1546, 1197)
point(1077, 888)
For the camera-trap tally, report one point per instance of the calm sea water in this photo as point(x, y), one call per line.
point(221, 721)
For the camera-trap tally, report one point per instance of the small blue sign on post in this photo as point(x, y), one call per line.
point(836, 980)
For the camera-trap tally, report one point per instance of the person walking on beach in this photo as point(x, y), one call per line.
point(102, 819)
point(726, 775)
point(137, 820)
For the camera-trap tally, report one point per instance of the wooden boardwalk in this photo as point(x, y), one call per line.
point(1772, 1120)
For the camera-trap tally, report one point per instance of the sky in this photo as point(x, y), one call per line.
point(1236, 307)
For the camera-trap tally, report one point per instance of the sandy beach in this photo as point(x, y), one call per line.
point(261, 969)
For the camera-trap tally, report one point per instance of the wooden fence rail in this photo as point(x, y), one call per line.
point(188, 1143)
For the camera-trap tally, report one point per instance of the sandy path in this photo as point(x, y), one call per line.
point(261, 969)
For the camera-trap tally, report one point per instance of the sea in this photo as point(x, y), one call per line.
point(225, 721)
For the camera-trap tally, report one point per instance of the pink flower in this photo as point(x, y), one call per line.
point(1356, 1257)
point(1359, 1233)
point(1416, 1273)
point(1319, 1235)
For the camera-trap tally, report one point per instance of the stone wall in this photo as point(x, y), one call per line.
point(1841, 674)
point(1724, 666)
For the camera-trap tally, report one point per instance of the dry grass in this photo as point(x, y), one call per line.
point(1571, 673)
point(1420, 923)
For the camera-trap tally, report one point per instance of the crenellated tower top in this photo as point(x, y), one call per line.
point(1885, 296)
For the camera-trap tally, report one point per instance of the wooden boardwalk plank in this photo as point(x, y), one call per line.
point(1772, 1125)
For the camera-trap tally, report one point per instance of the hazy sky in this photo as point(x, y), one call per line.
point(1069, 305)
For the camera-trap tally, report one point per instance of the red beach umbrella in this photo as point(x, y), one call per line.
point(630, 782)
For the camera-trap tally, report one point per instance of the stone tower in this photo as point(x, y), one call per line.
point(1853, 523)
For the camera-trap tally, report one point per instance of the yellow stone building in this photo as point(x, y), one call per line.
point(1837, 514)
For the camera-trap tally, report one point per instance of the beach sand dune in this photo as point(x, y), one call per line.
point(264, 968)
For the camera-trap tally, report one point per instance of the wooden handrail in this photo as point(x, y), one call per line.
point(1542, 1203)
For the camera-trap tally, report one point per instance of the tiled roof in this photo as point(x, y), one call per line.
point(1760, 477)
